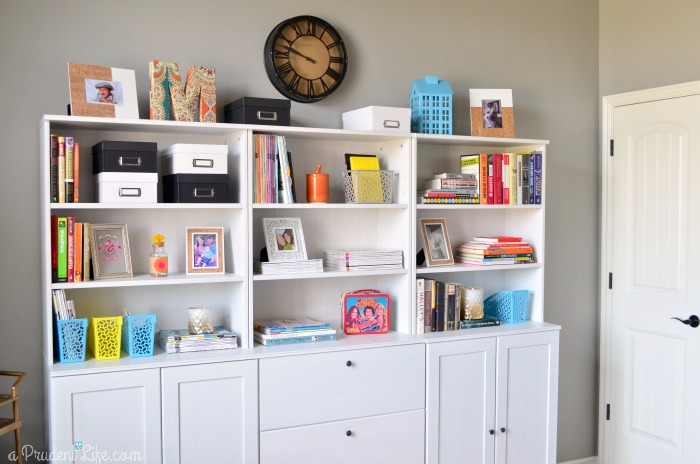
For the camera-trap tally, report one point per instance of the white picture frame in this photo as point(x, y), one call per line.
point(284, 240)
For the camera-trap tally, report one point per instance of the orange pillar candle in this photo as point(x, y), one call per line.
point(317, 187)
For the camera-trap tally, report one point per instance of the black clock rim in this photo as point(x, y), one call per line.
point(272, 72)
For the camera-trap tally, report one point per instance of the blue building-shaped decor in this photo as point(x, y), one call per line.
point(431, 106)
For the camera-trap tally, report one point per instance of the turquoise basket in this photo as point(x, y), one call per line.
point(138, 333)
point(508, 306)
point(71, 335)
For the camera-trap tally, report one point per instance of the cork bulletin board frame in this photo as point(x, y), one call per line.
point(491, 112)
point(102, 91)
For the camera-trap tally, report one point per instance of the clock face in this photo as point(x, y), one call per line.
point(305, 58)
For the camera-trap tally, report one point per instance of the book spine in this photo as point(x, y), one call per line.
point(420, 305)
point(440, 322)
point(54, 168)
point(519, 179)
point(526, 178)
point(456, 200)
point(537, 181)
point(483, 178)
point(532, 179)
point(61, 169)
point(473, 323)
point(429, 302)
point(62, 249)
point(294, 334)
point(76, 172)
point(513, 181)
point(54, 248)
point(498, 178)
point(69, 169)
point(71, 249)
point(494, 251)
point(87, 258)
point(450, 306)
point(293, 340)
point(490, 184)
point(78, 254)
point(506, 179)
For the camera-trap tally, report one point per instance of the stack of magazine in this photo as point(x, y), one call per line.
point(294, 267)
point(289, 331)
point(181, 341)
point(362, 260)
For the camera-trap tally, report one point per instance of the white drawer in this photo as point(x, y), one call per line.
point(390, 438)
point(378, 118)
point(183, 158)
point(324, 387)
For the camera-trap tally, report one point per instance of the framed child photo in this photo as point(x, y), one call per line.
point(284, 240)
point(102, 91)
point(491, 112)
point(111, 257)
point(205, 250)
point(438, 251)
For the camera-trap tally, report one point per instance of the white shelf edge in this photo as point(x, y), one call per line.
point(330, 206)
point(80, 206)
point(327, 275)
point(146, 280)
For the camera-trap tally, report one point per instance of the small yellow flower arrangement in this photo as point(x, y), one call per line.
point(158, 239)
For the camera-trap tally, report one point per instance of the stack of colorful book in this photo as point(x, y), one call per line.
point(292, 267)
point(362, 260)
point(450, 188)
point(289, 331)
point(181, 341)
point(497, 250)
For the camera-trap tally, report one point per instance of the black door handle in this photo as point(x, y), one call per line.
point(692, 321)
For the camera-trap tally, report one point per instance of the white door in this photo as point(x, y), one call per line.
point(210, 413)
point(654, 257)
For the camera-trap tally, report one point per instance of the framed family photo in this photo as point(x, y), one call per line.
point(438, 251)
point(111, 257)
point(205, 250)
point(102, 91)
point(491, 112)
point(284, 240)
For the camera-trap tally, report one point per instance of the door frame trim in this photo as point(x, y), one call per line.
point(606, 163)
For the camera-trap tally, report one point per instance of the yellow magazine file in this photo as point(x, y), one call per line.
point(366, 178)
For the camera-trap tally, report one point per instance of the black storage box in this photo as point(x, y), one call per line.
point(195, 188)
point(249, 110)
point(114, 156)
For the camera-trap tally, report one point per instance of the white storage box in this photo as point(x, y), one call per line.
point(378, 118)
point(132, 187)
point(188, 158)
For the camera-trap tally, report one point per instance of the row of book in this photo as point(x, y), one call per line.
point(362, 260)
point(451, 187)
point(65, 169)
point(273, 175)
point(496, 250)
point(439, 307)
point(63, 309)
point(291, 331)
point(506, 178)
point(181, 341)
point(70, 250)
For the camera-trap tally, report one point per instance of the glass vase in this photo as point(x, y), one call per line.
point(159, 261)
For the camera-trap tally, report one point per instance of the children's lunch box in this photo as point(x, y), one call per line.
point(365, 312)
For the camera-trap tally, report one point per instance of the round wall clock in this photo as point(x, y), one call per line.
point(305, 58)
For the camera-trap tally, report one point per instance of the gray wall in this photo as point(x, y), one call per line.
point(545, 50)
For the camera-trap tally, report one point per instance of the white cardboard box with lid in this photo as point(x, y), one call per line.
point(126, 187)
point(194, 158)
point(378, 118)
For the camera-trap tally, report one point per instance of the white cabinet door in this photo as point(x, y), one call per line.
point(526, 398)
point(461, 377)
point(114, 415)
point(388, 438)
point(211, 410)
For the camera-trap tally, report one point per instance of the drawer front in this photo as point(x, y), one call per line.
point(195, 163)
point(126, 192)
point(124, 161)
point(195, 193)
point(325, 387)
point(382, 439)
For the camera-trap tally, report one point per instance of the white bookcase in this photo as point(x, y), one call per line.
point(239, 297)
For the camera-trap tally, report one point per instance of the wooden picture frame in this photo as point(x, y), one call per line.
point(111, 256)
point(205, 250)
point(284, 240)
point(491, 112)
point(438, 251)
point(102, 91)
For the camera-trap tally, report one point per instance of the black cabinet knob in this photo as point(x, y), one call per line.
point(348, 433)
point(349, 363)
point(492, 431)
point(503, 429)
